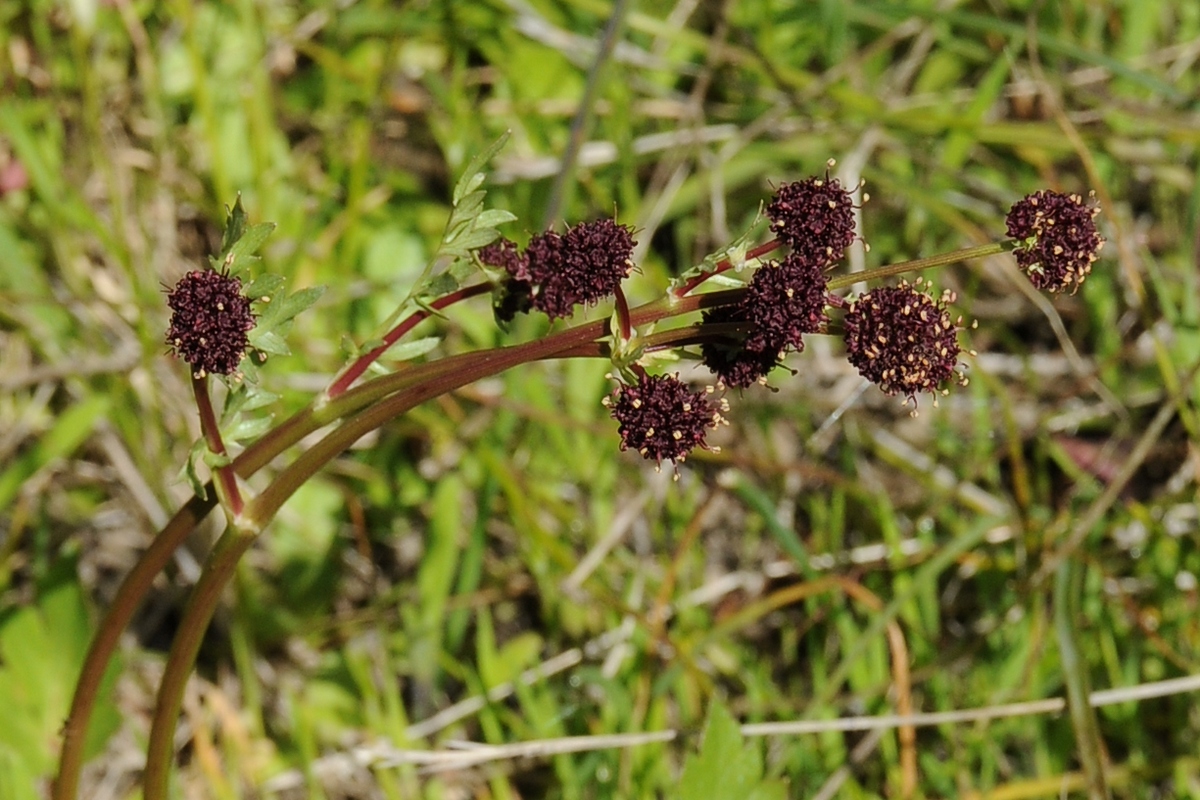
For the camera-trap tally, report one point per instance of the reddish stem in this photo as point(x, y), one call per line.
point(622, 307)
point(135, 585)
point(724, 265)
point(212, 436)
point(355, 370)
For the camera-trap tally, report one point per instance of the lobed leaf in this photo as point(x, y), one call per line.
point(472, 176)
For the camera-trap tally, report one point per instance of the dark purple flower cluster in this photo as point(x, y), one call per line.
point(512, 296)
point(726, 354)
point(662, 418)
point(903, 339)
point(815, 217)
point(1057, 240)
point(558, 272)
point(783, 301)
point(505, 254)
point(210, 318)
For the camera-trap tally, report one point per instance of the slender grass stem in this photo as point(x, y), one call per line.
point(1068, 584)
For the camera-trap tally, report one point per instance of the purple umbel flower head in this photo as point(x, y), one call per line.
point(505, 254)
point(731, 361)
point(582, 266)
point(209, 322)
point(662, 418)
point(814, 216)
point(903, 339)
point(1057, 240)
point(784, 301)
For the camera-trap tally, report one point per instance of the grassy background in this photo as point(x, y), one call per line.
point(448, 556)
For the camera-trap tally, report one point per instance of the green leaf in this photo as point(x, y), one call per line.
point(189, 473)
point(726, 768)
point(462, 218)
point(472, 176)
point(284, 310)
point(735, 253)
point(252, 239)
point(469, 227)
point(240, 242)
point(245, 429)
point(248, 369)
point(472, 183)
point(726, 280)
point(463, 245)
point(214, 460)
point(257, 397)
point(245, 397)
point(235, 225)
point(265, 285)
point(269, 342)
point(493, 217)
point(439, 285)
point(405, 351)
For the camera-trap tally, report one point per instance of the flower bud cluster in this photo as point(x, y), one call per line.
point(662, 418)
point(1057, 240)
point(210, 320)
point(903, 339)
point(784, 301)
point(558, 272)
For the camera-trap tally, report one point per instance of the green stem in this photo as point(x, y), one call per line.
point(1068, 584)
point(990, 249)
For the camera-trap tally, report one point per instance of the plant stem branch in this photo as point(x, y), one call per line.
point(451, 373)
point(456, 372)
point(402, 391)
point(724, 265)
point(100, 651)
point(218, 569)
point(363, 362)
point(990, 249)
point(212, 436)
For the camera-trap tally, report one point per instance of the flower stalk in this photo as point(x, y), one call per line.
point(902, 338)
point(226, 477)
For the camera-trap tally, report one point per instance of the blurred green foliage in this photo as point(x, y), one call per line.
point(448, 554)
